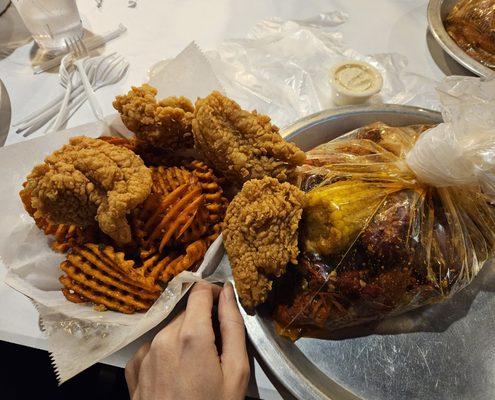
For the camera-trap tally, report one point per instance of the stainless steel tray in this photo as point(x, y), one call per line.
point(437, 13)
point(446, 351)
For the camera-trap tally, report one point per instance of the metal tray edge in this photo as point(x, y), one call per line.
point(300, 386)
point(437, 29)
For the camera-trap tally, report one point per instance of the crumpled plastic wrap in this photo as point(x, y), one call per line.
point(282, 69)
point(471, 25)
point(396, 217)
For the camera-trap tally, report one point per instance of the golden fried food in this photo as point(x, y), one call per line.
point(168, 216)
point(212, 212)
point(203, 222)
point(165, 267)
point(65, 236)
point(153, 262)
point(104, 277)
point(242, 145)
point(115, 263)
point(471, 25)
point(130, 144)
point(89, 181)
point(165, 124)
point(260, 235)
point(194, 253)
point(166, 180)
point(72, 296)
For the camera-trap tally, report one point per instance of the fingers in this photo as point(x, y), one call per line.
point(132, 368)
point(198, 311)
point(235, 363)
point(169, 333)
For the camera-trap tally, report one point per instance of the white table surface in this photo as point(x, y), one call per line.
point(160, 29)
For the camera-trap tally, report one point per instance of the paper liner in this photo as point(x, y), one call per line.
point(78, 336)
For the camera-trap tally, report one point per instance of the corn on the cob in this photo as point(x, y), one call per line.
point(336, 213)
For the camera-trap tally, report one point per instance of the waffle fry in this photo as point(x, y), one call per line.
point(170, 216)
point(110, 299)
point(104, 277)
point(194, 253)
point(166, 180)
point(73, 297)
point(215, 202)
point(153, 263)
point(115, 264)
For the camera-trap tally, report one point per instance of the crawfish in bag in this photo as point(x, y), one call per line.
point(395, 217)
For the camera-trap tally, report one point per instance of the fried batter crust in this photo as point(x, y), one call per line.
point(242, 145)
point(260, 235)
point(165, 124)
point(90, 180)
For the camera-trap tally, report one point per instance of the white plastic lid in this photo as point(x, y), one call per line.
point(355, 79)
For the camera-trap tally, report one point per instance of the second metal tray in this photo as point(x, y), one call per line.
point(445, 351)
point(437, 13)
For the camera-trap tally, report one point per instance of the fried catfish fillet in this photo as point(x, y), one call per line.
point(165, 124)
point(90, 181)
point(260, 235)
point(242, 145)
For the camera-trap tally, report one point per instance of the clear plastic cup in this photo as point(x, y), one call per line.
point(51, 22)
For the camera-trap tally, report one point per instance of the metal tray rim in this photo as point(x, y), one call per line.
point(300, 386)
point(437, 29)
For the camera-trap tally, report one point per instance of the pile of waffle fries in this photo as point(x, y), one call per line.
point(171, 232)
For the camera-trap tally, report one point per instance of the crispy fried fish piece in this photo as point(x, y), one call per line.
point(130, 144)
point(242, 145)
point(260, 235)
point(104, 277)
point(165, 124)
point(89, 181)
point(64, 235)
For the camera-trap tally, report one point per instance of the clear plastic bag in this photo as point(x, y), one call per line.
point(388, 227)
point(471, 24)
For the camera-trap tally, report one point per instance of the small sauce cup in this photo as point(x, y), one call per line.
point(354, 82)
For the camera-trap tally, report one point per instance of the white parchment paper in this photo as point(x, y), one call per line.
point(79, 336)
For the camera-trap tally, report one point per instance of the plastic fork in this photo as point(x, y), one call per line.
point(66, 73)
point(80, 52)
point(41, 116)
point(101, 71)
point(113, 73)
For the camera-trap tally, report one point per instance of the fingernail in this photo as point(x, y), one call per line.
point(228, 290)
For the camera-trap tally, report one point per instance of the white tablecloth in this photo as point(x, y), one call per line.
point(160, 29)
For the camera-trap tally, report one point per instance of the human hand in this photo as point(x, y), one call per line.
point(182, 361)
